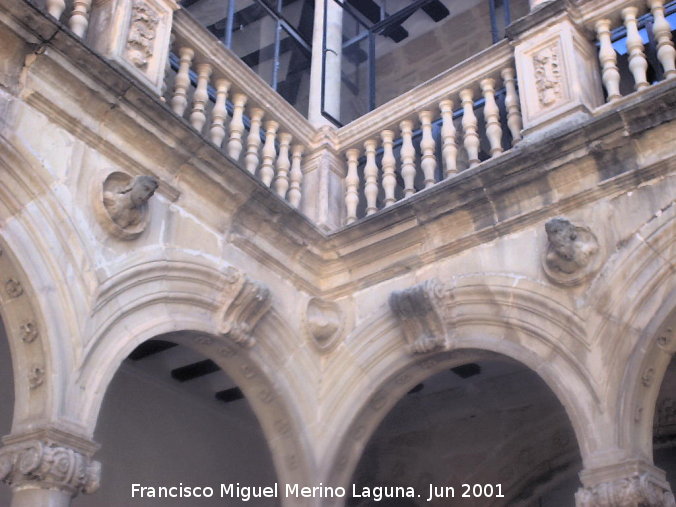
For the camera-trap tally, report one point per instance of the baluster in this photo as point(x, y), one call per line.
point(407, 154)
point(388, 163)
point(608, 59)
point(56, 7)
point(428, 161)
point(662, 31)
point(199, 100)
point(295, 176)
point(219, 113)
point(371, 177)
point(448, 151)
point(79, 18)
point(351, 185)
point(180, 99)
point(253, 140)
point(267, 172)
point(637, 62)
point(469, 125)
point(512, 104)
point(283, 165)
point(236, 125)
point(492, 116)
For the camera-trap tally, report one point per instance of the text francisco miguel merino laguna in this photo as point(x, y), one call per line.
point(246, 493)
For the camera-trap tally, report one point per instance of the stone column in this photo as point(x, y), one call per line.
point(48, 468)
point(632, 483)
point(557, 68)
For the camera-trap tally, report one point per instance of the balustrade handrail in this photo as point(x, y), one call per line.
point(593, 10)
point(466, 74)
point(189, 32)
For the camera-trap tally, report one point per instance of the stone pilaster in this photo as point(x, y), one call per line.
point(135, 34)
point(48, 468)
point(323, 181)
point(626, 484)
point(556, 65)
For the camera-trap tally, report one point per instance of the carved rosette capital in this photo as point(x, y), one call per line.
point(249, 301)
point(419, 310)
point(640, 485)
point(47, 465)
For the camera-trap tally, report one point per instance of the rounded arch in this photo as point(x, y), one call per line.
point(486, 317)
point(36, 235)
point(183, 305)
point(635, 293)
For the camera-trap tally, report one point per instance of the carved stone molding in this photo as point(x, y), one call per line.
point(572, 252)
point(142, 32)
point(419, 311)
point(122, 204)
point(548, 75)
point(324, 321)
point(48, 465)
point(628, 485)
point(246, 304)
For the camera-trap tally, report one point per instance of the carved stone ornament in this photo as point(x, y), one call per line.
point(123, 206)
point(50, 466)
point(36, 376)
point(142, 32)
point(572, 252)
point(325, 322)
point(637, 491)
point(13, 288)
point(419, 312)
point(28, 332)
point(548, 75)
point(247, 302)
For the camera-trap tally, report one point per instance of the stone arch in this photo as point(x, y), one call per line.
point(183, 306)
point(486, 317)
point(638, 293)
point(35, 231)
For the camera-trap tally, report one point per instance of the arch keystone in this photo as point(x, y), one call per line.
point(419, 311)
point(247, 301)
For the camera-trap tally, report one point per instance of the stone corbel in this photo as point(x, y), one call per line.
point(42, 462)
point(246, 304)
point(572, 253)
point(419, 312)
point(625, 484)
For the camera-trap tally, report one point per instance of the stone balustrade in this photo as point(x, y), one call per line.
point(623, 21)
point(237, 111)
point(468, 114)
point(76, 17)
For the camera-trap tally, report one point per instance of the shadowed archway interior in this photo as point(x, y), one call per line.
point(664, 424)
point(171, 417)
point(492, 422)
point(6, 397)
